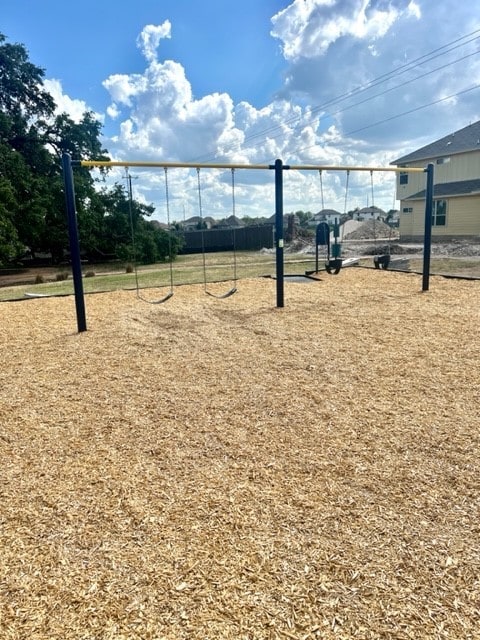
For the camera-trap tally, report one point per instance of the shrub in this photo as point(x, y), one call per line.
point(129, 268)
point(61, 276)
point(39, 279)
point(89, 274)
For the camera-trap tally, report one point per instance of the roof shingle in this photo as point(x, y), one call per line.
point(466, 139)
point(459, 188)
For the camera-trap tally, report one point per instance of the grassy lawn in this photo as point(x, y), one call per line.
point(189, 270)
point(186, 270)
point(450, 266)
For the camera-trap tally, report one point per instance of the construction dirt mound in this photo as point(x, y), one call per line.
point(370, 230)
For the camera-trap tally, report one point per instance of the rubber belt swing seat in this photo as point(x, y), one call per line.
point(233, 290)
point(333, 266)
point(132, 227)
point(379, 261)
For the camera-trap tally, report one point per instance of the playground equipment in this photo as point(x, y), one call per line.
point(381, 261)
point(279, 168)
point(233, 290)
point(132, 231)
point(333, 258)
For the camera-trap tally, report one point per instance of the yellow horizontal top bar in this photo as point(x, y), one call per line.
point(307, 167)
point(191, 165)
point(168, 165)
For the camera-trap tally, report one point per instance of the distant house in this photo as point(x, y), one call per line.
point(456, 194)
point(326, 215)
point(231, 221)
point(195, 221)
point(368, 213)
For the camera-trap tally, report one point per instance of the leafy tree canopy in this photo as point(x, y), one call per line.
point(21, 89)
point(32, 206)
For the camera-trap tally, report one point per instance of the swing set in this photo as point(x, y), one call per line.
point(333, 257)
point(169, 294)
point(333, 251)
point(380, 261)
point(233, 289)
point(333, 262)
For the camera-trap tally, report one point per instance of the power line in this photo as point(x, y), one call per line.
point(404, 113)
point(398, 86)
point(427, 57)
point(403, 84)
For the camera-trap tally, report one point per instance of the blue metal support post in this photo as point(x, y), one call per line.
point(74, 241)
point(427, 238)
point(279, 231)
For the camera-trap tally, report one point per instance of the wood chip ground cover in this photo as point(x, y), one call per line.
point(219, 469)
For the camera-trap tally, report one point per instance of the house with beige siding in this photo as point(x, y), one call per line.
point(456, 193)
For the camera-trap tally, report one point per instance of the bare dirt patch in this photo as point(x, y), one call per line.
point(226, 469)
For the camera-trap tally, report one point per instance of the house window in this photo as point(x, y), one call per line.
point(439, 214)
point(443, 160)
point(407, 210)
point(403, 177)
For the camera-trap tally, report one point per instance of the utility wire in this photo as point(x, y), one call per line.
point(431, 55)
point(403, 84)
point(394, 88)
point(399, 115)
point(397, 86)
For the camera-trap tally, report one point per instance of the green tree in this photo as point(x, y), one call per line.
point(82, 141)
point(23, 106)
point(304, 217)
point(10, 246)
point(129, 235)
point(32, 204)
point(32, 139)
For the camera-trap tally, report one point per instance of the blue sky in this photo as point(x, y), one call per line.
point(223, 45)
point(308, 81)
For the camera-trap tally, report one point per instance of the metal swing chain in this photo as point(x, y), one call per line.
point(233, 228)
point(380, 261)
point(200, 211)
point(373, 213)
point(347, 179)
point(134, 250)
point(333, 267)
point(233, 290)
point(132, 230)
point(167, 202)
point(321, 188)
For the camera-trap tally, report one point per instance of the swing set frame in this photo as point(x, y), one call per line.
point(279, 168)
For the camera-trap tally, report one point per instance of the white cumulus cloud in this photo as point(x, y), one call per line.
point(73, 107)
point(149, 39)
point(307, 28)
point(332, 48)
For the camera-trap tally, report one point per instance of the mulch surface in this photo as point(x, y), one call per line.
point(222, 469)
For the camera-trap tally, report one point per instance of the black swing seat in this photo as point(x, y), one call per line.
point(333, 266)
point(164, 299)
point(224, 295)
point(381, 262)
